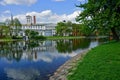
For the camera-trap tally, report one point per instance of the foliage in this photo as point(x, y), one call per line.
point(17, 25)
point(17, 22)
point(76, 29)
point(8, 22)
point(72, 29)
point(101, 63)
point(40, 37)
point(33, 44)
point(4, 31)
point(33, 34)
point(64, 28)
point(17, 37)
point(67, 46)
point(101, 14)
point(64, 46)
point(27, 32)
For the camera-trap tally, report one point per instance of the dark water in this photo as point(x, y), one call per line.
point(37, 60)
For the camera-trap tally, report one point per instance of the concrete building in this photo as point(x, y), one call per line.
point(46, 29)
point(43, 29)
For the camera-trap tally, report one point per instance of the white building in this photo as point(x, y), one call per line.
point(43, 29)
point(46, 29)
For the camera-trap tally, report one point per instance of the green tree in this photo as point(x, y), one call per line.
point(33, 34)
point(101, 14)
point(27, 32)
point(64, 28)
point(4, 31)
point(17, 25)
point(76, 29)
point(60, 28)
point(8, 22)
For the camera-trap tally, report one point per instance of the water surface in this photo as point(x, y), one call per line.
point(38, 60)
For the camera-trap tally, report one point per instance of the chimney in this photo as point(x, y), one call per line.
point(34, 20)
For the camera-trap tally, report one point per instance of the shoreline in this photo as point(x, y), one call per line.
point(62, 72)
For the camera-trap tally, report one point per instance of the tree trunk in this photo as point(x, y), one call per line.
point(115, 35)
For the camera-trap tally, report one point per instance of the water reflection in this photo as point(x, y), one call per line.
point(67, 46)
point(37, 60)
point(11, 51)
point(22, 74)
point(38, 50)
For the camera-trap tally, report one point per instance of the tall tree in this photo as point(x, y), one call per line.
point(17, 25)
point(64, 28)
point(101, 14)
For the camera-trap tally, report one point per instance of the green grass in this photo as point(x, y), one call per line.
point(100, 63)
point(6, 39)
point(64, 37)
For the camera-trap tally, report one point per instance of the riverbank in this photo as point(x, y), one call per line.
point(100, 63)
point(63, 70)
point(64, 37)
point(6, 40)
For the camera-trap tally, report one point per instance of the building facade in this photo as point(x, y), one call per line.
point(43, 29)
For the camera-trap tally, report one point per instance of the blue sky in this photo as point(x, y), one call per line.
point(44, 10)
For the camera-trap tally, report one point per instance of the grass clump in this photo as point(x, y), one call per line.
point(101, 63)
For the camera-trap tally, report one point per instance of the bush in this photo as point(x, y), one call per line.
point(40, 37)
point(17, 37)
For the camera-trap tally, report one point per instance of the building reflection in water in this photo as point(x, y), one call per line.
point(37, 60)
point(43, 50)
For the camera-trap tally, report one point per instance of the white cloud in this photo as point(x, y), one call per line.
point(83, 1)
point(18, 2)
point(7, 12)
point(46, 16)
point(22, 74)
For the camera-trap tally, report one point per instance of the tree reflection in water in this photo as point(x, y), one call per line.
point(30, 60)
point(14, 50)
point(67, 46)
point(17, 50)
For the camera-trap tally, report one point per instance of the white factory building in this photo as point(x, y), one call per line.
point(45, 29)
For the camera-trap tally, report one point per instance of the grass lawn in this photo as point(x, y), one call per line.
point(6, 39)
point(100, 63)
point(64, 37)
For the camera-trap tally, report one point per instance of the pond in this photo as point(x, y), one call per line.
point(38, 60)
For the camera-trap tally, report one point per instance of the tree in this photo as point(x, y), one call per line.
point(4, 31)
point(27, 32)
point(8, 22)
point(31, 34)
point(85, 30)
point(17, 25)
point(64, 28)
point(59, 28)
point(103, 14)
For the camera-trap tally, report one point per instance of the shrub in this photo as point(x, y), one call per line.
point(40, 37)
point(17, 37)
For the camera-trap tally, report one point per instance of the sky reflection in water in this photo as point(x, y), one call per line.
point(37, 60)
